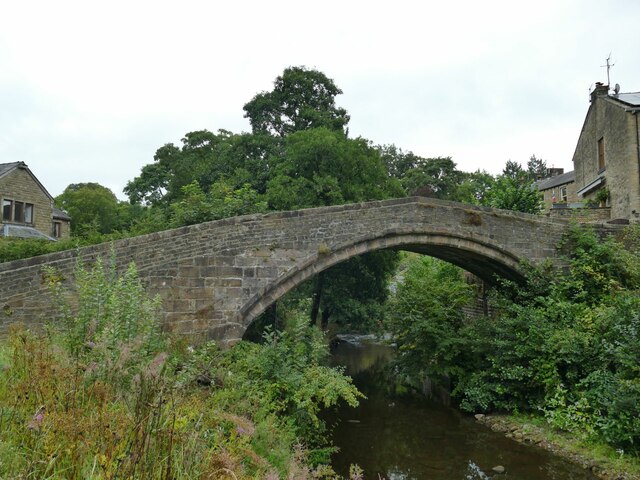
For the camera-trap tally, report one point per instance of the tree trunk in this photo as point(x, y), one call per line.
point(317, 296)
point(324, 321)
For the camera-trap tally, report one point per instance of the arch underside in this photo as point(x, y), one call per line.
point(474, 255)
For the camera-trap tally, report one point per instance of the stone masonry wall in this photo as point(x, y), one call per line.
point(215, 278)
point(582, 215)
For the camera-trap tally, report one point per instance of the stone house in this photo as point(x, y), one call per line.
point(607, 157)
point(27, 207)
point(559, 191)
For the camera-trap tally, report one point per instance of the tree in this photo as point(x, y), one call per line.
point(513, 170)
point(398, 162)
point(221, 201)
point(514, 190)
point(301, 99)
point(474, 187)
point(151, 185)
point(425, 316)
point(204, 157)
point(92, 207)
point(537, 168)
point(323, 167)
point(432, 177)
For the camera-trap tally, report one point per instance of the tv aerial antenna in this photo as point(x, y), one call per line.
point(608, 65)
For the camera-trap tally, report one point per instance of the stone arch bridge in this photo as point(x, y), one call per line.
point(215, 278)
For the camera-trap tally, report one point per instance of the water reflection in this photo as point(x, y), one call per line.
point(408, 438)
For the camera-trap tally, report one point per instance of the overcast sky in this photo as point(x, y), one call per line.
point(89, 90)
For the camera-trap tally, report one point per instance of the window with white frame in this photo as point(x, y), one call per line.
point(563, 194)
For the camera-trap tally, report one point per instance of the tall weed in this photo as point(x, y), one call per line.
point(102, 394)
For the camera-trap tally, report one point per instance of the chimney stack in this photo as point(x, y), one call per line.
point(601, 90)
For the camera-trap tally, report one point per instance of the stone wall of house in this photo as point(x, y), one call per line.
point(65, 228)
point(548, 195)
point(20, 186)
point(609, 121)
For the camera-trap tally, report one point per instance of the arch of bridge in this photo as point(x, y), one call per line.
point(484, 260)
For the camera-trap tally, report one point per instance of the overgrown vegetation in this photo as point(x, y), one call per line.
point(104, 395)
point(17, 248)
point(565, 345)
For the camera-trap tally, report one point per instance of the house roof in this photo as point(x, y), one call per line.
point(22, 231)
point(60, 214)
point(552, 182)
point(6, 168)
point(630, 100)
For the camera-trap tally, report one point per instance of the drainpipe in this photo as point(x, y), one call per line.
point(638, 151)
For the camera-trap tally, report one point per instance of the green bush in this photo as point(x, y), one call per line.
point(566, 343)
point(286, 377)
point(426, 319)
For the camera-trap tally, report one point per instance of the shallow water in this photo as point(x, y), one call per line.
point(402, 438)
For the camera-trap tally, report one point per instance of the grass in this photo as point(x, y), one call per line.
point(106, 395)
point(607, 458)
point(59, 420)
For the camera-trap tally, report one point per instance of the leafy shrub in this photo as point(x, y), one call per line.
point(286, 377)
point(425, 317)
point(15, 249)
point(566, 343)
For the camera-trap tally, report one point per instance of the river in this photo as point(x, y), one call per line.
point(405, 437)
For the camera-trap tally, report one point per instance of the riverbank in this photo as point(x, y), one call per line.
point(604, 462)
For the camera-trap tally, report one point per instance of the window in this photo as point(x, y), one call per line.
point(28, 213)
point(601, 154)
point(563, 194)
point(57, 229)
point(18, 212)
point(7, 208)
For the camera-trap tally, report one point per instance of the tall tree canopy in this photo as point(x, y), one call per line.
point(204, 157)
point(537, 168)
point(301, 99)
point(433, 177)
point(515, 190)
point(430, 177)
point(323, 167)
point(92, 207)
point(475, 187)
